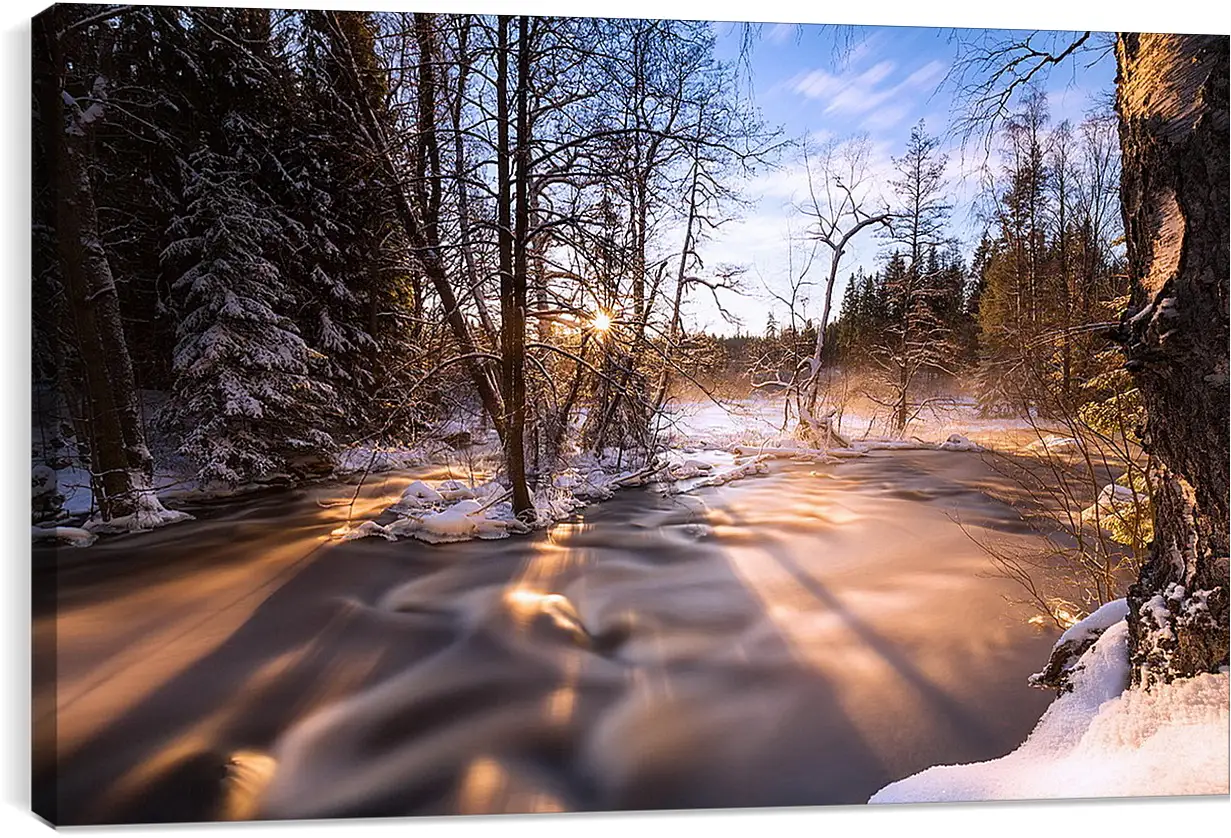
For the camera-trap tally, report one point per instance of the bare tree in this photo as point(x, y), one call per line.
point(837, 211)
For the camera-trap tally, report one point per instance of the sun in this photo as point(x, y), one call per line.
point(601, 322)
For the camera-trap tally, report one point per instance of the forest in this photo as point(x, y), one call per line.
point(281, 254)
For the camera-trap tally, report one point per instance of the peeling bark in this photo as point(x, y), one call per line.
point(1172, 104)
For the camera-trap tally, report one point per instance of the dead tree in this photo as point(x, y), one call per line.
point(837, 212)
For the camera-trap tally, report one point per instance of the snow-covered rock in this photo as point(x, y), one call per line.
point(72, 536)
point(452, 490)
point(1113, 502)
point(957, 442)
point(1067, 651)
point(419, 494)
point(1053, 444)
point(149, 514)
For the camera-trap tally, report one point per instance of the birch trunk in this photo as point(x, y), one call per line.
point(1172, 104)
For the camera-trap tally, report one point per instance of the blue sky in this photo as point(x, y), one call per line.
point(835, 82)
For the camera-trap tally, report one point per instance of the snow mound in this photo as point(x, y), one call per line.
point(463, 521)
point(72, 536)
point(419, 494)
point(957, 442)
point(460, 521)
point(1053, 444)
point(42, 480)
point(452, 490)
point(1100, 740)
point(1067, 651)
point(1114, 502)
point(149, 514)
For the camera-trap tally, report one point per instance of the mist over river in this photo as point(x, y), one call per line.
point(801, 638)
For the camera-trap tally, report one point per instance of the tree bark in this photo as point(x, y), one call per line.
point(512, 253)
point(415, 219)
point(119, 456)
point(1172, 105)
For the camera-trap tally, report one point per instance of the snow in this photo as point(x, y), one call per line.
point(1102, 619)
point(439, 521)
point(361, 459)
point(1053, 444)
point(419, 494)
point(707, 445)
point(72, 536)
point(74, 484)
point(42, 480)
point(1100, 740)
point(1115, 503)
point(1066, 653)
point(150, 514)
point(957, 442)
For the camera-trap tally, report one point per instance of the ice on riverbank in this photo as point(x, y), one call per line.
point(1100, 739)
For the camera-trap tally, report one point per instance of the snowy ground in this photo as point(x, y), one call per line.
point(754, 421)
point(1100, 739)
point(706, 444)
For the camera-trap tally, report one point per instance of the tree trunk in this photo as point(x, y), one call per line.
point(120, 459)
point(415, 219)
point(1172, 104)
point(512, 255)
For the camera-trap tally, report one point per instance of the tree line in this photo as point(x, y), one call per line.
point(309, 228)
point(1024, 318)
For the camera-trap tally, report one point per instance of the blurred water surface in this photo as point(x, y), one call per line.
point(797, 639)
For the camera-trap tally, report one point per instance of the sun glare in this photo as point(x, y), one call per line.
point(601, 322)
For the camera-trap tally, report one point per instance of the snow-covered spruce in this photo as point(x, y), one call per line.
point(1101, 738)
point(46, 501)
point(245, 395)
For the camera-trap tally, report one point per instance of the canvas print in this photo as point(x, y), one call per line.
point(459, 414)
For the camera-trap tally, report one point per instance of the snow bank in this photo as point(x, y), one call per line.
point(367, 459)
point(1100, 739)
point(793, 452)
point(72, 536)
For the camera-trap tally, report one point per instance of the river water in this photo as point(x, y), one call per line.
point(796, 639)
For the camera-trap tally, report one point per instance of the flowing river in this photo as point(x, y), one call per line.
point(795, 639)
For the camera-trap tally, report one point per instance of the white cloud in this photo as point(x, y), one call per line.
point(781, 33)
point(886, 117)
point(863, 92)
